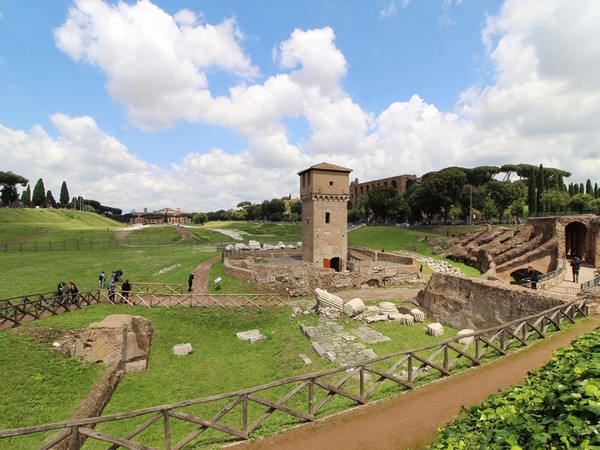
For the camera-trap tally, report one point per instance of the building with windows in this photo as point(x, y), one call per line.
point(165, 215)
point(401, 182)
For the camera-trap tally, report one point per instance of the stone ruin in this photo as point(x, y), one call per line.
point(120, 340)
point(283, 272)
point(330, 340)
point(332, 306)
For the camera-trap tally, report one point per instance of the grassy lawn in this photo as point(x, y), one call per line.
point(263, 232)
point(220, 363)
point(36, 272)
point(415, 240)
point(38, 386)
point(76, 246)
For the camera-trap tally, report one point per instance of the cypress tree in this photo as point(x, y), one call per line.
point(26, 197)
point(540, 189)
point(64, 194)
point(531, 197)
point(50, 199)
point(39, 194)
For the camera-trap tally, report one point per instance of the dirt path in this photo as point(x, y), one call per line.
point(201, 280)
point(411, 421)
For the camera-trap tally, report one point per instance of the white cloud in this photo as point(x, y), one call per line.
point(309, 50)
point(390, 10)
point(542, 107)
point(547, 89)
point(155, 63)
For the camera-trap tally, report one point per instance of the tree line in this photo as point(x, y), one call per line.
point(283, 209)
point(42, 198)
point(454, 194)
point(464, 195)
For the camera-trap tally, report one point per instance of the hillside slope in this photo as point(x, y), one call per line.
point(17, 223)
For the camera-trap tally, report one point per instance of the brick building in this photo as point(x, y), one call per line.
point(400, 182)
point(165, 215)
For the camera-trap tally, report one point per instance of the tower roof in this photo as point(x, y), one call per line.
point(326, 166)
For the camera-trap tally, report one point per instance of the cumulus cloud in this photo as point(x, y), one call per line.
point(155, 63)
point(546, 96)
point(543, 106)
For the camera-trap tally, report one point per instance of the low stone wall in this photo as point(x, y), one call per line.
point(375, 255)
point(96, 400)
point(296, 278)
point(478, 304)
point(238, 269)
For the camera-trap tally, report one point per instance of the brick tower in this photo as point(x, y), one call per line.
point(324, 192)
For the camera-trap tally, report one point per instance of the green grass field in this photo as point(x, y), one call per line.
point(220, 363)
point(36, 391)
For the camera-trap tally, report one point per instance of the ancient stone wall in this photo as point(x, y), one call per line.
point(238, 268)
point(298, 278)
point(543, 243)
point(479, 304)
point(376, 255)
point(95, 402)
point(120, 339)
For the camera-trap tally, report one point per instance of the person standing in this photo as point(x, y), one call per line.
point(575, 266)
point(74, 291)
point(111, 291)
point(125, 288)
point(190, 282)
point(101, 279)
point(60, 288)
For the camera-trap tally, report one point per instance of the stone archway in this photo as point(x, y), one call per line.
point(575, 240)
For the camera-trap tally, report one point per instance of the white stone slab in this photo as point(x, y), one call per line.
point(252, 336)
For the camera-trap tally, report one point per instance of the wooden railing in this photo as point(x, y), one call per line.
point(17, 310)
point(307, 397)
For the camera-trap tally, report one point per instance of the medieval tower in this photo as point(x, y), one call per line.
point(324, 191)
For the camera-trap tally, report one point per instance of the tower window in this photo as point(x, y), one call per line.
point(327, 217)
point(331, 183)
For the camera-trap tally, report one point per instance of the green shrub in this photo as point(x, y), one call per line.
point(557, 407)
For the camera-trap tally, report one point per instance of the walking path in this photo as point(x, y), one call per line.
point(411, 420)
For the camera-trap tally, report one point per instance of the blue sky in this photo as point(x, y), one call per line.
point(200, 105)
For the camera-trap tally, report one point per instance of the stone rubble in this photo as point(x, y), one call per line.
point(418, 315)
point(354, 307)
point(465, 340)
point(330, 340)
point(182, 349)
point(435, 329)
point(252, 336)
point(434, 264)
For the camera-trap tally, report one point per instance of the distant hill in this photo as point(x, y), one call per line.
point(18, 223)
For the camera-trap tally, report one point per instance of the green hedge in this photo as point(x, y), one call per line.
point(558, 407)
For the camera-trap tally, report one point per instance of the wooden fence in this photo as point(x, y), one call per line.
point(17, 310)
point(306, 397)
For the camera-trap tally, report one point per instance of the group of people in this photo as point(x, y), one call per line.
point(67, 291)
point(115, 277)
point(70, 291)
